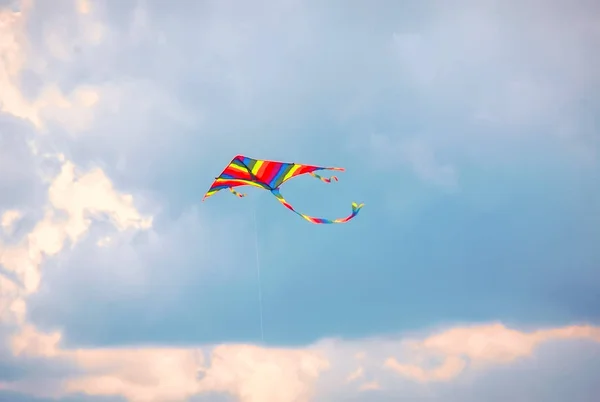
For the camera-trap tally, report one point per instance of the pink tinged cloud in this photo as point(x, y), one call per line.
point(251, 373)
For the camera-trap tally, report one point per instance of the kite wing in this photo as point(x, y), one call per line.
point(270, 175)
point(235, 174)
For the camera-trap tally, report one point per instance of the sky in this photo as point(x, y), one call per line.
point(470, 130)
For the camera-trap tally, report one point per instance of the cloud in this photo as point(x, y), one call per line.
point(51, 104)
point(492, 83)
point(76, 131)
point(173, 273)
point(520, 66)
point(481, 345)
point(447, 370)
point(255, 374)
point(169, 374)
point(415, 153)
point(113, 287)
point(18, 167)
point(73, 199)
point(315, 372)
point(9, 219)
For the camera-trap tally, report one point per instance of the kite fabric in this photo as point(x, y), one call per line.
point(270, 175)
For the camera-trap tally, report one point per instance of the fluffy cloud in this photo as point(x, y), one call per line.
point(491, 79)
point(328, 370)
point(72, 200)
point(72, 110)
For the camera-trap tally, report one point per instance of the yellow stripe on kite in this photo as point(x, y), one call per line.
point(238, 168)
point(252, 183)
point(293, 170)
point(256, 167)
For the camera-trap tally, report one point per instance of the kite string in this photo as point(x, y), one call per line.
point(260, 304)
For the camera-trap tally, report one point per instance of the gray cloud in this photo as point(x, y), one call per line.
point(509, 70)
point(165, 283)
point(242, 82)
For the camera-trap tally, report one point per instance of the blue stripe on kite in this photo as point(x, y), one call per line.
point(219, 187)
point(283, 168)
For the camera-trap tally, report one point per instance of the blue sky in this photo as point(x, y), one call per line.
point(469, 130)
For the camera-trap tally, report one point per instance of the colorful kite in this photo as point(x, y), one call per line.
point(270, 175)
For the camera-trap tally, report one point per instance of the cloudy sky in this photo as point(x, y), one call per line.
point(468, 128)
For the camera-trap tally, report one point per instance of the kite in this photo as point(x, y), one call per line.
point(270, 175)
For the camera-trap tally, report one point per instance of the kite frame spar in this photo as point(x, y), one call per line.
point(270, 175)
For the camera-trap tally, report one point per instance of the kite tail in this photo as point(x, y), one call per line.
point(324, 179)
point(236, 193)
point(355, 209)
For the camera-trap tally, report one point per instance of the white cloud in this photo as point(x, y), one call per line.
point(356, 374)
point(370, 386)
point(256, 374)
point(84, 6)
point(12, 307)
point(74, 199)
point(79, 197)
point(92, 193)
point(449, 369)
point(33, 343)
point(9, 218)
point(73, 111)
point(253, 373)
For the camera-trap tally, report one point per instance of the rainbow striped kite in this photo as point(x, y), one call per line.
point(270, 175)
